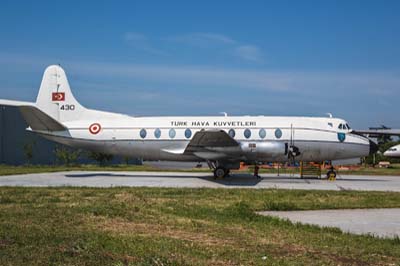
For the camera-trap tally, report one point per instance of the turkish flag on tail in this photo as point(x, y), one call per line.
point(58, 96)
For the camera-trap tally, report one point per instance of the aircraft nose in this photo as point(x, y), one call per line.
point(373, 147)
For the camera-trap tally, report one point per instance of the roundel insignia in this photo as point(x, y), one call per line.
point(94, 128)
point(341, 136)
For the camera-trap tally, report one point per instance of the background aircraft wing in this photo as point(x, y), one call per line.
point(378, 132)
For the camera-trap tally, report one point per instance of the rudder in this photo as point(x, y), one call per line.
point(55, 97)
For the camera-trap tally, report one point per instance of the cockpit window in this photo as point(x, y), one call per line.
point(344, 126)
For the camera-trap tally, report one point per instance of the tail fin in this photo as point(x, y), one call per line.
point(56, 104)
point(55, 97)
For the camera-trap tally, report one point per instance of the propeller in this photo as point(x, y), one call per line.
point(293, 151)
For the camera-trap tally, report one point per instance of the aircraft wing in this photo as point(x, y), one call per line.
point(211, 138)
point(209, 145)
point(212, 145)
point(378, 132)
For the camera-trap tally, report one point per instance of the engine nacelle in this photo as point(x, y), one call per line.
point(267, 150)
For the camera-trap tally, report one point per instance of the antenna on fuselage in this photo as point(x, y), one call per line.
point(224, 113)
point(330, 115)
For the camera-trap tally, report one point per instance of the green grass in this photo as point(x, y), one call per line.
point(393, 170)
point(157, 226)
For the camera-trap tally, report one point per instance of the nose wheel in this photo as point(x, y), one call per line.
point(221, 172)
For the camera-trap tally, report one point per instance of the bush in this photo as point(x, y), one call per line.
point(101, 158)
point(66, 156)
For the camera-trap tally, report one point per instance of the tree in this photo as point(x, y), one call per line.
point(66, 155)
point(371, 159)
point(384, 139)
point(101, 158)
point(127, 159)
point(28, 151)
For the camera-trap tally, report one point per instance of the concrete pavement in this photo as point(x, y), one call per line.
point(194, 180)
point(377, 222)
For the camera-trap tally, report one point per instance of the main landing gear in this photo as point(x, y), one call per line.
point(221, 172)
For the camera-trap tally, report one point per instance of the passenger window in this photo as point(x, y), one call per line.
point(278, 133)
point(262, 133)
point(143, 133)
point(172, 133)
point(157, 133)
point(247, 133)
point(231, 133)
point(188, 133)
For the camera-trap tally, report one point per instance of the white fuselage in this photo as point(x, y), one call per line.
point(393, 152)
point(164, 138)
point(222, 141)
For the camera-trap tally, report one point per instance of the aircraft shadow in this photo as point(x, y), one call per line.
point(126, 175)
point(234, 180)
point(287, 178)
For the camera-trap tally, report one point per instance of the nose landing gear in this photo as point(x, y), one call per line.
point(256, 169)
point(331, 174)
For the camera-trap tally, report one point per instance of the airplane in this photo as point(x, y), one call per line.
point(221, 141)
point(393, 152)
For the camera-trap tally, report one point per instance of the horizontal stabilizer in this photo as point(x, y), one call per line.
point(15, 103)
point(39, 121)
point(36, 119)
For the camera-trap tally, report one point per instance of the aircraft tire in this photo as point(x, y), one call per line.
point(220, 172)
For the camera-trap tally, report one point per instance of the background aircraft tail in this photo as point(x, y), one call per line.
point(55, 97)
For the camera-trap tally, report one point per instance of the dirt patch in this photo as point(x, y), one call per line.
point(126, 259)
point(292, 250)
point(120, 226)
point(5, 242)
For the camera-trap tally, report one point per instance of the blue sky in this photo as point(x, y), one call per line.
point(207, 57)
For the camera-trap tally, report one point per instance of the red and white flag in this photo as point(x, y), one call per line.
point(58, 96)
